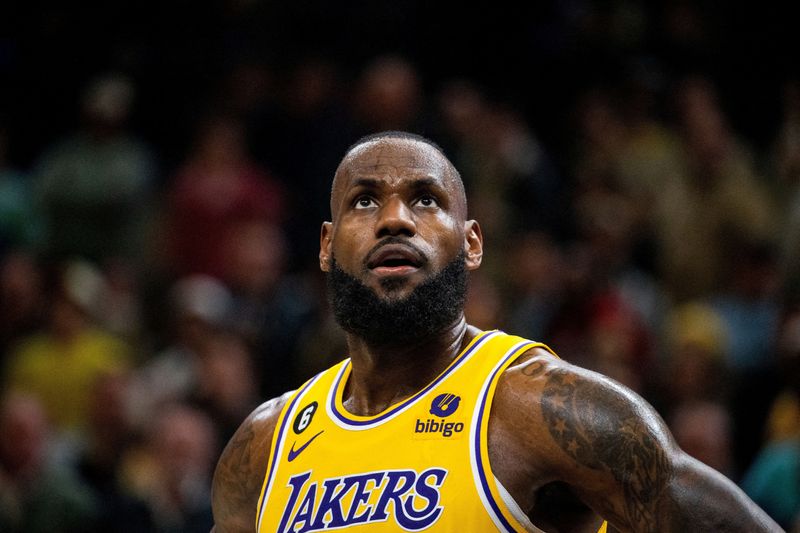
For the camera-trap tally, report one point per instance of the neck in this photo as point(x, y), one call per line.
point(386, 374)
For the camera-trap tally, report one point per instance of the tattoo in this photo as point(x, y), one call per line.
point(602, 431)
point(237, 479)
point(533, 368)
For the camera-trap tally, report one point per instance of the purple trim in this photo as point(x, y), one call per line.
point(477, 443)
point(275, 458)
point(342, 418)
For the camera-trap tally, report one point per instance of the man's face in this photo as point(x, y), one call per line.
point(398, 218)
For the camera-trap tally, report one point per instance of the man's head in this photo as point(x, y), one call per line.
point(390, 137)
point(399, 244)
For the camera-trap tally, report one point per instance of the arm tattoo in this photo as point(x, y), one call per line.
point(534, 368)
point(602, 431)
point(237, 479)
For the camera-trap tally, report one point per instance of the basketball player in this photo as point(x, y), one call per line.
point(434, 425)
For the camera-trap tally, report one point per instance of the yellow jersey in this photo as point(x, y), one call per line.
point(420, 465)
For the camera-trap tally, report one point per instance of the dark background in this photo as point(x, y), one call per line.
point(536, 56)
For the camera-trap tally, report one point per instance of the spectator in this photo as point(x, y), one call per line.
point(92, 187)
point(200, 308)
point(313, 112)
point(60, 364)
point(270, 306)
point(703, 430)
point(388, 96)
point(773, 479)
point(749, 308)
point(174, 476)
point(694, 364)
point(207, 363)
point(705, 216)
point(37, 495)
point(109, 439)
point(20, 224)
point(22, 299)
point(217, 189)
point(511, 179)
point(536, 284)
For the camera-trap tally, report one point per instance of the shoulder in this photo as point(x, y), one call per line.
point(578, 419)
point(571, 425)
point(561, 423)
point(242, 466)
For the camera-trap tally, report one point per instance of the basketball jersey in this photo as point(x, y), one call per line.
point(420, 465)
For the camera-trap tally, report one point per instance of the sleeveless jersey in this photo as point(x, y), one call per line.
point(420, 465)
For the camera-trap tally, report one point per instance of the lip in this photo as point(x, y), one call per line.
point(384, 271)
point(397, 252)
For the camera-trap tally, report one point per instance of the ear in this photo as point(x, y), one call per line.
point(325, 242)
point(473, 244)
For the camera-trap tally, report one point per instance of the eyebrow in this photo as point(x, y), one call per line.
point(426, 182)
point(366, 182)
point(375, 184)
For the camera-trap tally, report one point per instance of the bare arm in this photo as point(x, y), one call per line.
point(241, 469)
point(616, 453)
point(732, 510)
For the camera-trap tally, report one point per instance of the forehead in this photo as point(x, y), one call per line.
point(394, 161)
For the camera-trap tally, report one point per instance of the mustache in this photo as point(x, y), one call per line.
point(394, 240)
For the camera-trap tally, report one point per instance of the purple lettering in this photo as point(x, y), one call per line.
point(331, 502)
point(415, 520)
point(361, 496)
point(306, 511)
point(398, 483)
point(296, 482)
point(414, 499)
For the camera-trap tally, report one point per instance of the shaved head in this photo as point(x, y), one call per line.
point(435, 157)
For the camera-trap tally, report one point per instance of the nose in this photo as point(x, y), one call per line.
point(395, 218)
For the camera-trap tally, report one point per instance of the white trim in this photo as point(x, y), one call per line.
point(279, 451)
point(474, 428)
point(515, 509)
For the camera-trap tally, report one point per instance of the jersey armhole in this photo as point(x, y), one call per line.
point(488, 489)
point(276, 447)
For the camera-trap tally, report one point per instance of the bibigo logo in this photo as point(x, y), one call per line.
point(442, 407)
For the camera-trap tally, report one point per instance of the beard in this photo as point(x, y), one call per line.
point(430, 308)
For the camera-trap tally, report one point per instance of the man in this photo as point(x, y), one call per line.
point(433, 425)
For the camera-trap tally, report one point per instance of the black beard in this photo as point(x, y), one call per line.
point(430, 308)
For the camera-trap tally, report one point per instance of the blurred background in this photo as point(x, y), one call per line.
point(165, 167)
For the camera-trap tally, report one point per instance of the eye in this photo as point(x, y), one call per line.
point(364, 202)
point(428, 201)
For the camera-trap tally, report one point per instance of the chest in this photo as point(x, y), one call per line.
point(421, 465)
point(407, 470)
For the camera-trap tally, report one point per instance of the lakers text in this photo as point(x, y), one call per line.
point(408, 497)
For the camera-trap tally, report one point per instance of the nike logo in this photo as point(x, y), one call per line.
point(294, 453)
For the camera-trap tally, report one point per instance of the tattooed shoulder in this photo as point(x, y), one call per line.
point(608, 429)
point(241, 468)
point(532, 363)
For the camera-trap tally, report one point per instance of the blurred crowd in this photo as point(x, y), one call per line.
point(153, 291)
